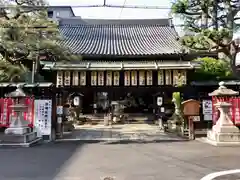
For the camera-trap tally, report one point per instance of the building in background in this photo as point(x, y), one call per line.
point(131, 60)
point(56, 12)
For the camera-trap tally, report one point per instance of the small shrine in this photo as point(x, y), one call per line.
point(19, 133)
point(224, 132)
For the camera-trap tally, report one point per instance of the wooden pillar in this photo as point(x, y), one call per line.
point(59, 115)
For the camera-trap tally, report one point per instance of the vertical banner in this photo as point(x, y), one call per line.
point(28, 115)
point(176, 77)
point(83, 78)
point(67, 78)
point(149, 78)
point(184, 76)
point(236, 108)
point(142, 78)
point(127, 78)
point(59, 81)
point(160, 77)
point(101, 78)
point(94, 78)
point(109, 78)
point(116, 77)
point(134, 78)
point(75, 78)
point(5, 111)
point(168, 77)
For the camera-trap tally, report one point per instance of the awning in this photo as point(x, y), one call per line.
point(47, 84)
point(133, 65)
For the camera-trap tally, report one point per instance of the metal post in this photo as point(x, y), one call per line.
point(33, 71)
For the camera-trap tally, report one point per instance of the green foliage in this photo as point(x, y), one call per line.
point(213, 69)
point(211, 30)
point(177, 97)
point(26, 32)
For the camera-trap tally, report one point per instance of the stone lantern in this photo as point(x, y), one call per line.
point(18, 125)
point(224, 132)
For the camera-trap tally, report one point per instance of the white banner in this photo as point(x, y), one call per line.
point(168, 77)
point(116, 78)
point(59, 81)
point(184, 76)
point(43, 117)
point(149, 78)
point(134, 78)
point(100, 78)
point(75, 78)
point(142, 78)
point(83, 78)
point(109, 78)
point(93, 78)
point(127, 78)
point(67, 78)
point(176, 77)
point(160, 77)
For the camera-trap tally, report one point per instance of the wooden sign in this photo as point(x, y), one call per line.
point(67, 78)
point(142, 78)
point(75, 78)
point(160, 77)
point(168, 77)
point(109, 78)
point(59, 81)
point(149, 78)
point(93, 78)
point(134, 78)
point(127, 78)
point(101, 78)
point(116, 77)
point(83, 78)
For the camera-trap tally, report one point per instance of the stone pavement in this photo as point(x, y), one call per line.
point(132, 132)
point(76, 160)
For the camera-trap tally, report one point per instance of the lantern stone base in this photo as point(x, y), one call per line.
point(224, 133)
point(17, 130)
point(223, 139)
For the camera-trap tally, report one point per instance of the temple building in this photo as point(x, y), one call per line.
point(136, 60)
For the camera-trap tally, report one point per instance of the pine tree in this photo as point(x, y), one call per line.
point(26, 33)
point(212, 23)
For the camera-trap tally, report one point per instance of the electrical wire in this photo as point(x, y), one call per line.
point(122, 9)
point(97, 6)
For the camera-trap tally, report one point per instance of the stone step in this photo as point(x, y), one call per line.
point(25, 138)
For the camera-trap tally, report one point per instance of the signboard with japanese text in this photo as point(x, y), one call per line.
point(127, 78)
point(100, 78)
point(93, 78)
point(109, 78)
point(142, 78)
point(134, 78)
point(149, 78)
point(83, 78)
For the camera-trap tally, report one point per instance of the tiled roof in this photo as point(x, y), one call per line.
point(119, 37)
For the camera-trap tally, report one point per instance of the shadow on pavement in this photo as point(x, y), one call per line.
point(42, 162)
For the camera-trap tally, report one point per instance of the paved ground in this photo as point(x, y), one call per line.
point(142, 132)
point(150, 161)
